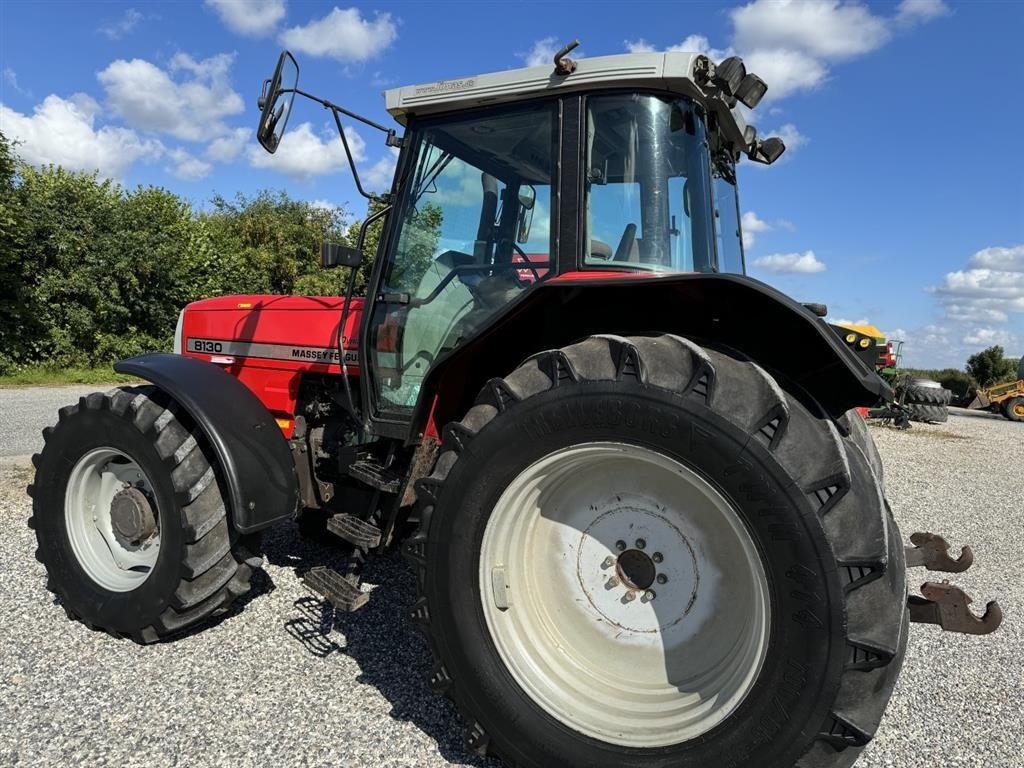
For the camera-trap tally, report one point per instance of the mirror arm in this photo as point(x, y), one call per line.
point(351, 160)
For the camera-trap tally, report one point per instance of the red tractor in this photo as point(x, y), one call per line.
point(645, 533)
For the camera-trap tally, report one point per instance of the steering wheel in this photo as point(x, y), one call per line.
point(526, 261)
point(626, 243)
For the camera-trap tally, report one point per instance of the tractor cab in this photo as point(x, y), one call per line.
point(612, 166)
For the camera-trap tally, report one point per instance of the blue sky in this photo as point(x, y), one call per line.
point(900, 200)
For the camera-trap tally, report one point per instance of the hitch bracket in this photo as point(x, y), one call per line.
point(946, 605)
point(932, 551)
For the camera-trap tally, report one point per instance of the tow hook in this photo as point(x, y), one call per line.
point(946, 605)
point(932, 551)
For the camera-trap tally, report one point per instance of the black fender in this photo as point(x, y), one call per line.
point(726, 310)
point(253, 455)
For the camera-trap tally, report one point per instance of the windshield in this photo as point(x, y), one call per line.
point(649, 191)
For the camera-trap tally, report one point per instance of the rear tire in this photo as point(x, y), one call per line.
point(806, 495)
point(201, 564)
point(913, 393)
point(928, 414)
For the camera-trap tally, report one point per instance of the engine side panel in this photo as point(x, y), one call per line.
point(269, 342)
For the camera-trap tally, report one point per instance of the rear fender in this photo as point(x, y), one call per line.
point(251, 451)
point(732, 311)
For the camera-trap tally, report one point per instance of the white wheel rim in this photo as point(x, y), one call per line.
point(607, 658)
point(108, 559)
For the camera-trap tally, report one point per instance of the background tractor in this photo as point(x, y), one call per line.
point(1007, 399)
point(644, 532)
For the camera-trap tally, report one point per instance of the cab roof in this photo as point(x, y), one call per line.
point(686, 74)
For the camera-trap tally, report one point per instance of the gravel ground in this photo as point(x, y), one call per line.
point(279, 682)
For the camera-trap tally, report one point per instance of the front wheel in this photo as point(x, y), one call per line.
point(1013, 409)
point(130, 517)
point(642, 553)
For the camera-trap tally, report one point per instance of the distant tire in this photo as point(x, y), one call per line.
point(920, 395)
point(130, 517)
point(1013, 409)
point(928, 414)
point(558, 499)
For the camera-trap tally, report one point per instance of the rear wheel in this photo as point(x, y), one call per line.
point(1014, 409)
point(928, 414)
point(927, 395)
point(130, 518)
point(638, 552)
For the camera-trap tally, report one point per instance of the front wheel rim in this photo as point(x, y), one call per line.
point(113, 553)
point(624, 594)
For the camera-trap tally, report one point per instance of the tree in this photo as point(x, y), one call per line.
point(990, 367)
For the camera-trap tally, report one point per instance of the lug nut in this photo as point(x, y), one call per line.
point(657, 557)
point(640, 543)
point(608, 562)
point(629, 597)
point(662, 578)
point(649, 595)
point(612, 583)
point(620, 545)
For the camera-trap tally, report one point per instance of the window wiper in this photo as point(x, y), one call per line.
point(431, 175)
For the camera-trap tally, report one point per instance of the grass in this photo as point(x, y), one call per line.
point(49, 375)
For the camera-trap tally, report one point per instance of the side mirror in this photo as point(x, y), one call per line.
point(527, 201)
point(275, 102)
point(335, 255)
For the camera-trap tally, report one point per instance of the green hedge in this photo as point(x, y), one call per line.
point(91, 272)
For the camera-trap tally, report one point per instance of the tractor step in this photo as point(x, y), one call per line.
point(357, 532)
point(947, 606)
point(335, 588)
point(375, 475)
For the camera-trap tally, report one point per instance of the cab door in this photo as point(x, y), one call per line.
point(470, 233)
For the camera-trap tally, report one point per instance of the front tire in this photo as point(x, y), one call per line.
point(130, 518)
point(810, 623)
point(1013, 409)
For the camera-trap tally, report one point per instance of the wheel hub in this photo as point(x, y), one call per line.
point(635, 569)
point(131, 517)
point(112, 519)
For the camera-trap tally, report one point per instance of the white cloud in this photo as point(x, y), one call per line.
point(751, 225)
point(190, 108)
point(825, 29)
point(188, 167)
point(62, 132)
point(1005, 259)
point(304, 155)
point(986, 337)
point(690, 44)
point(786, 71)
point(252, 18)
point(790, 136)
point(803, 263)
point(227, 148)
point(378, 177)
point(125, 25)
point(11, 80)
point(918, 11)
point(844, 321)
point(543, 53)
point(792, 43)
point(343, 34)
